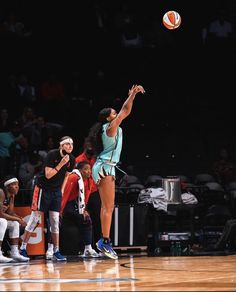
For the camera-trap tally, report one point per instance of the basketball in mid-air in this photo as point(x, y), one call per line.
point(171, 19)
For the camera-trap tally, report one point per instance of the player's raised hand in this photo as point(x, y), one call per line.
point(136, 88)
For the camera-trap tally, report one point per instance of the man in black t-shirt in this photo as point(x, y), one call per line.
point(47, 194)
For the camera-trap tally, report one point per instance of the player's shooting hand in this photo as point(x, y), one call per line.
point(139, 88)
point(136, 89)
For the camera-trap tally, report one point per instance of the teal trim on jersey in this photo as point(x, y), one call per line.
point(112, 145)
point(106, 161)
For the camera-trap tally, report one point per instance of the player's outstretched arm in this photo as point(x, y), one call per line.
point(126, 108)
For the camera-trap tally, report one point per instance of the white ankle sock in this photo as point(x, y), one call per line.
point(50, 247)
point(23, 245)
point(88, 247)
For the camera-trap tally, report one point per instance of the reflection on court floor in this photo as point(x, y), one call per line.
point(127, 273)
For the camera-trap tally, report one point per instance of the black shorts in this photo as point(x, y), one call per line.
point(45, 200)
point(71, 210)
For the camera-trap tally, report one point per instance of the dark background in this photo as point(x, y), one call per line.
point(187, 113)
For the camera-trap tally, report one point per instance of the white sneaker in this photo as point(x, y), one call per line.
point(4, 259)
point(90, 253)
point(18, 257)
point(49, 255)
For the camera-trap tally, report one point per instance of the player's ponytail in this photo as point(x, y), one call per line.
point(94, 136)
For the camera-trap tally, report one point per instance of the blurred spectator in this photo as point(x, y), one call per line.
point(102, 21)
point(52, 89)
point(27, 92)
point(156, 36)
point(7, 140)
point(10, 91)
point(127, 27)
point(131, 37)
point(4, 120)
point(29, 169)
point(219, 30)
point(123, 15)
point(28, 116)
point(224, 167)
point(49, 145)
point(12, 26)
point(39, 130)
point(101, 79)
point(75, 87)
point(220, 27)
point(19, 152)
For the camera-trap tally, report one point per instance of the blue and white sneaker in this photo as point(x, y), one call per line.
point(57, 256)
point(106, 249)
point(23, 253)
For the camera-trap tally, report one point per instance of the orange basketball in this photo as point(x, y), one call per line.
point(171, 19)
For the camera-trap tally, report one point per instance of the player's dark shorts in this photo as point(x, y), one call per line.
point(45, 200)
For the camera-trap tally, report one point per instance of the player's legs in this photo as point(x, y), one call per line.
point(106, 189)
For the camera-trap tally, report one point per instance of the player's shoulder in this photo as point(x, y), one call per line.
point(53, 152)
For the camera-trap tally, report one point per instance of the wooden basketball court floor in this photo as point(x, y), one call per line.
point(137, 272)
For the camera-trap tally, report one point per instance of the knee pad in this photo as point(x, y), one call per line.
point(33, 221)
point(54, 221)
point(14, 229)
point(3, 228)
